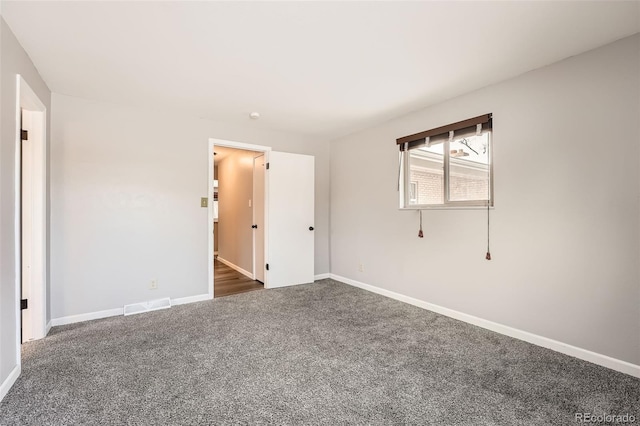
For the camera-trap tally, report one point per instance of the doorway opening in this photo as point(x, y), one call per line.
point(238, 206)
point(289, 241)
point(31, 215)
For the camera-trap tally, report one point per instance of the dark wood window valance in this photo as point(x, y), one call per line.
point(461, 128)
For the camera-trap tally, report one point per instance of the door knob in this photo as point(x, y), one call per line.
point(254, 226)
point(311, 228)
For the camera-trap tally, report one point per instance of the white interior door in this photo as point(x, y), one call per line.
point(31, 205)
point(258, 217)
point(290, 182)
point(26, 223)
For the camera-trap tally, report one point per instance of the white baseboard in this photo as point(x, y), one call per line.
point(87, 317)
point(191, 299)
point(9, 381)
point(584, 354)
point(118, 311)
point(47, 328)
point(322, 276)
point(236, 267)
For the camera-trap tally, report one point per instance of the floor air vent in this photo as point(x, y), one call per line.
point(151, 305)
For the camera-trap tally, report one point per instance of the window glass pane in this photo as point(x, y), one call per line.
point(426, 170)
point(469, 168)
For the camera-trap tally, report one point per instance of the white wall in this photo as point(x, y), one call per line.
point(13, 61)
point(565, 229)
point(126, 188)
point(235, 217)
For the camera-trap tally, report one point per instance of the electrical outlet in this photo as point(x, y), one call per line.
point(204, 202)
point(361, 267)
point(153, 284)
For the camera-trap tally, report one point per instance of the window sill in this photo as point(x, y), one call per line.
point(461, 207)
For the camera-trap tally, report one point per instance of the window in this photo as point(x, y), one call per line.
point(449, 166)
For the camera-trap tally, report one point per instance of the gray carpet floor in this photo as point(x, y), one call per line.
point(324, 353)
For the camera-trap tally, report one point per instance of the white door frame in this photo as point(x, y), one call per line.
point(237, 145)
point(34, 317)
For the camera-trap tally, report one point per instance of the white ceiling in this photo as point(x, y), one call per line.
point(316, 68)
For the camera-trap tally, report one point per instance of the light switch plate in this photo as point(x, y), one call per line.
point(204, 202)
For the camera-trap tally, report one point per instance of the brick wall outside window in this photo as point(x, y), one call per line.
point(430, 187)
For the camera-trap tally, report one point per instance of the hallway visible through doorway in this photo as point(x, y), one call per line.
point(228, 281)
point(239, 224)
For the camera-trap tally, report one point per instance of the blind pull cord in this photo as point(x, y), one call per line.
point(420, 233)
point(406, 147)
point(399, 168)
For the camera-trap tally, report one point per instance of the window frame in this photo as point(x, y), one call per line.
point(405, 182)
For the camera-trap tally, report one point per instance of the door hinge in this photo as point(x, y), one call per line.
point(24, 304)
point(24, 135)
point(267, 166)
point(267, 266)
